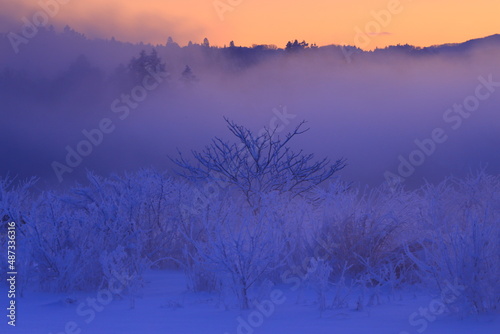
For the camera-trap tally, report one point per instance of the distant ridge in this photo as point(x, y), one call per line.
point(450, 48)
point(469, 44)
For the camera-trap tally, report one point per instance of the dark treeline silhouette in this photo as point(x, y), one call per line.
point(61, 83)
point(91, 66)
point(238, 56)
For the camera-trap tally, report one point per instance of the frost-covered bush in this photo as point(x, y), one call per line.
point(16, 199)
point(61, 248)
point(158, 214)
point(371, 241)
point(237, 245)
point(319, 277)
point(364, 229)
point(121, 224)
point(463, 240)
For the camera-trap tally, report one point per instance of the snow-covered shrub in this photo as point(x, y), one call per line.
point(372, 241)
point(341, 289)
point(462, 244)
point(364, 229)
point(16, 199)
point(117, 264)
point(67, 244)
point(69, 233)
point(138, 212)
point(158, 215)
point(238, 244)
point(319, 277)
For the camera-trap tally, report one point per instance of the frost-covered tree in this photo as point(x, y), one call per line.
point(258, 163)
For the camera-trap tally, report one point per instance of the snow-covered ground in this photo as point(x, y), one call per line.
point(166, 306)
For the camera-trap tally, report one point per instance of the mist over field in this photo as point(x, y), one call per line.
point(200, 188)
point(367, 107)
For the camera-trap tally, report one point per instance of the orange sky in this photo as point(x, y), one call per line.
point(417, 22)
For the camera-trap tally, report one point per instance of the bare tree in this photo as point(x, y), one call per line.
point(258, 164)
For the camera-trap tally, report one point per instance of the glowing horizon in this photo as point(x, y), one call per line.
point(365, 23)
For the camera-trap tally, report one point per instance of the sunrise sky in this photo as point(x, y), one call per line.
point(247, 22)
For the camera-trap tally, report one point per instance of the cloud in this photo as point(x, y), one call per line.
point(383, 33)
